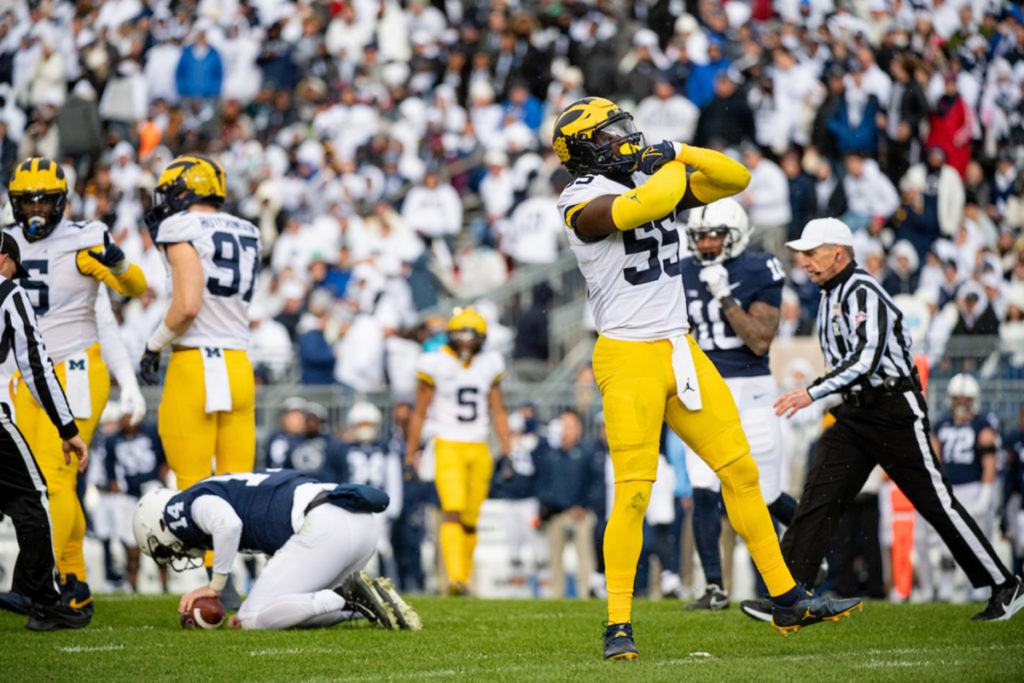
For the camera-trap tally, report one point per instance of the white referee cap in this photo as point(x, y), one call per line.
point(822, 231)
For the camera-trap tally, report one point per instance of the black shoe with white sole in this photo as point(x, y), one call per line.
point(714, 598)
point(1006, 600)
point(361, 596)
point(757, 609)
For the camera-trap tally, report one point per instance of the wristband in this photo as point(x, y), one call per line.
point(161, 337)
point(218, 581)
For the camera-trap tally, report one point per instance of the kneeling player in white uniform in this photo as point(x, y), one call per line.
point(320, 537)
point(967, 443)
point(734, 299)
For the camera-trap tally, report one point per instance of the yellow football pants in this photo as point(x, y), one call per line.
point(463, 478)
point(193, 438)
point(638, 390)
point(66, 514)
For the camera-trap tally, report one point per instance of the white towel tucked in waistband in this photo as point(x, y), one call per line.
point(218, 388)
point(76, 385)
point(687, 388)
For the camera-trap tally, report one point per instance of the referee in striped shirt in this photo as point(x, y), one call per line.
point(883, 420)
point(22, 487)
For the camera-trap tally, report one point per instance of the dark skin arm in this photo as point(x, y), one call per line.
point(424, 395)
point(755, 327)
point(595, 219)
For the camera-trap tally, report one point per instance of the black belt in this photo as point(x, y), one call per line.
point(864, 395)
point(318, 500)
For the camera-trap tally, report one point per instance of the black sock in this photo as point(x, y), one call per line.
point(790, 597)
point(717, 580)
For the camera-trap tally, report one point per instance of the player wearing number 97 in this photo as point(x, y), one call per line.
point(734, 298)
point(620, 214)
point(458, 384)
point(213, 257)
point(66, 263)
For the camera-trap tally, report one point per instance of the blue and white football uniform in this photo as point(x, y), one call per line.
point(756, 277)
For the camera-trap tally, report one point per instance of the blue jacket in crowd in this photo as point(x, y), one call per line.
point(566, 478)
point(199, 76)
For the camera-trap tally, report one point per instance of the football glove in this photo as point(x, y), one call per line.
point(112, 256)
point(133, 403)
point(650, 159)
point(716, 279)
point(505, 468)
point(149, 368)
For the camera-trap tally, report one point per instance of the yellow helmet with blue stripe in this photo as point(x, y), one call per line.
point(467, 331)
point(38, 181)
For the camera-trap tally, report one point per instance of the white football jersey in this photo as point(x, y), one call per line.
point(229, 250)
point(63, 298)
point(459, 411)
point(634, 278)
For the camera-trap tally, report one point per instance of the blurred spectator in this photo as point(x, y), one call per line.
point(531, 352)
point(316, 359)
point(433, 209)
point(199, 73)
point(766, 200)
point(802, 198)
point(856, 121)
point(726, 118)
point(908, 109)
point(871, 197)
point(270, 345)
point(950, 126)
point(976, 316)
point(940, 189)
point(702, 85)
point(665, 115)
point(902, 277)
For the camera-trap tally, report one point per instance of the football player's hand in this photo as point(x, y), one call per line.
point(112, 256)
point(505, 468)
point(149, 368)
point(651, 158)
point(77, 446)
point(189, 598)
point(716, 279)
point(792, 401)
point(133, 403)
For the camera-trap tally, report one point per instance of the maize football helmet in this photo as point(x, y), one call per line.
point(155, 539)
point(593, 135)
point(189, 179)
point(725, 216)
point(38, 181)
point(467, 331)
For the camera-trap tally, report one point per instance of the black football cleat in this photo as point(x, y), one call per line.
point(56, 617)
point(618, 642)
point(405, 615)
point(1006, 601)
point(361, 596)
point(714, 598)
point(810, 611)
point(15, 602)
point(757, 609)
point(76, 594)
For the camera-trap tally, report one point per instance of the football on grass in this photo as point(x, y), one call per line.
point(206, 613)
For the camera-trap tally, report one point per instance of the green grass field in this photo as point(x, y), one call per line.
point(139, 638)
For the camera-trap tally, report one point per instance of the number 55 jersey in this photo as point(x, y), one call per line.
point(229, 250)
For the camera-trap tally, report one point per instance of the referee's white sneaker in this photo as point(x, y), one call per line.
point(1006, 601)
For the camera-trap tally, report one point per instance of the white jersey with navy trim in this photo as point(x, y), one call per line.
point(64, 299)
point(229, 250)
point(634, 281)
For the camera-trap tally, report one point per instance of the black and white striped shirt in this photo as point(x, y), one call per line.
point(21, 334)
point(862, 334)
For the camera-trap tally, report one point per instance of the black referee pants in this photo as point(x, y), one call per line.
point(23, 498)
point(892, 432)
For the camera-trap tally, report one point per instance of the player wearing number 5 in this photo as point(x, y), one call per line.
point(66, 262)
point(459, 386)
point(620, 216)
point(734, 298)
point(207, 405)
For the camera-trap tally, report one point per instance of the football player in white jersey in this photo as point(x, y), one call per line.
point(213, 257)
point(459, 386)
point(620, 215)
point(66, 262)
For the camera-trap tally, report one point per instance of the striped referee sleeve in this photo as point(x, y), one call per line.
point(868, 318)
point(35, 365)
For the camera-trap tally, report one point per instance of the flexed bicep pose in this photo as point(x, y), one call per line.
point(621, 219)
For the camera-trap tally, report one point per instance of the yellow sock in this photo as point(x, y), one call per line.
point(468, 548)
point(623, 539)
point(749, 516)
point(452, 546)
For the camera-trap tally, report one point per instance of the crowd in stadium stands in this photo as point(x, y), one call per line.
point(395, 152)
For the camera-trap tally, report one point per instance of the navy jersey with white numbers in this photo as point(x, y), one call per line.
point(961, 460)
point(758, 277)
point(262, 499)
point(374, 464)
point(139, 458)
point(320, 456)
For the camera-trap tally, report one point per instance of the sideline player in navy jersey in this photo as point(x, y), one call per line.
point(966, 442)
point(303, 445)
point(320, 536)
point(138, 455)
point(1012, 522)
point(734, 298)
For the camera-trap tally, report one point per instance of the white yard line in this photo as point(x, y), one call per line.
point(82, 648)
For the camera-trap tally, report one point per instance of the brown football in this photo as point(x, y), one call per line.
point(206, 613)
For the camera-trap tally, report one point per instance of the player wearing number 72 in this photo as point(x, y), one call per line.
point(621, 216)
point(213, 258)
